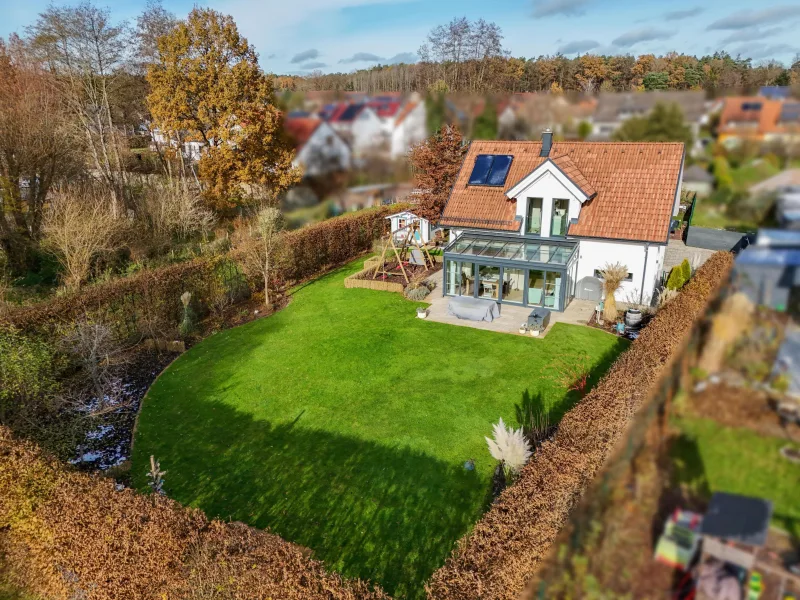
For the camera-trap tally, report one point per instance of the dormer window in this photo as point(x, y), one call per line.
point(490, 169)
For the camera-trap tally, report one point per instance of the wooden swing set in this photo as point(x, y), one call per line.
point(410, 251)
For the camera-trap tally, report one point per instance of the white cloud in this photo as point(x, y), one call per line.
point(754, 33)
point(645, 34)
point(578, 46)
point(305, 56)
point(677, 15)
point(362, 57)
point(551, 8)
point(748, 18)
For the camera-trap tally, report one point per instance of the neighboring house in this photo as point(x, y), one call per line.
point(318, 148)
point(768, 272)
point(613, 109)
point(192, 149)
point(399, 223)
point(775, 92)
point(409, 128)
point(531, 221)
point(785, 188)
point(758, 119)
point(358, 124)
point(387, 110)
point(698, 180)
point(787, 178)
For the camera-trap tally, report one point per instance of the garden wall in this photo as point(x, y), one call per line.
point(598, 436)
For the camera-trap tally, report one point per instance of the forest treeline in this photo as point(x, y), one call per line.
point(469, 57)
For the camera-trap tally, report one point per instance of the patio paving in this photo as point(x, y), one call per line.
point(577, 313)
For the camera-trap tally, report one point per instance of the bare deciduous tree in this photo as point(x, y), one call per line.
point(80, 223)
point(258, 245)
point(86, 52)
point(97, 349)
point(36, 149)
point(172, 210)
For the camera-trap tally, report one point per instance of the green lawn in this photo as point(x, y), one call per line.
point(709, 457)
point(343, 423)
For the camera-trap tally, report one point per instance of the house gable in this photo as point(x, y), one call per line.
point(546, 171)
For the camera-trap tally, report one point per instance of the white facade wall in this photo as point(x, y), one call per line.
point(595, 254)
point(412, 130)
point(548, 187)
point(366, 131)
point(324, 152)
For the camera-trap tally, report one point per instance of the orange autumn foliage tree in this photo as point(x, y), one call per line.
point(436, 162)
point(206, 85)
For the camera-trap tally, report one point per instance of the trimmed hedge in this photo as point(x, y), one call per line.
point(501, 554)
point(148, 304)
point(72, 535)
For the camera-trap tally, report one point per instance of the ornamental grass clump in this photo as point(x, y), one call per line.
point(189, 321)
point(510, 447)
point(613, 276)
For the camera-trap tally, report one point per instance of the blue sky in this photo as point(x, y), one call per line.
point(296, 36)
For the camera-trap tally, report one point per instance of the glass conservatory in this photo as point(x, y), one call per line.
point(511, 270)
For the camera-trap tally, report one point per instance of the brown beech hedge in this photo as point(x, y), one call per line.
point(65, 534)
point(502, 552)
point(148, 303)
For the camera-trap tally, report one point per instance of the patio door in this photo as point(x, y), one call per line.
point(536, 287)
point(489, 282)
point(513, 288)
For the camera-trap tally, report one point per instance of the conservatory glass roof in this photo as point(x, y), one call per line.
point(512, 249)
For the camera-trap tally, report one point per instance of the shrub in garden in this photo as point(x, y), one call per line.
point(417, 293)
point(675, 280)
point(29, 374)
point(613, 276)
point(510, 447)
point(686, 270)
point(189, 321)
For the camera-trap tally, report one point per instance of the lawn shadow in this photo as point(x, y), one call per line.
point(390, 515)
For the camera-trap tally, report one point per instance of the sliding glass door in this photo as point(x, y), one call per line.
point(535, 287)
point(489, 282)
point(513, 285)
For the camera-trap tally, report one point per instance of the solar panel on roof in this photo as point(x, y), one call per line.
point(350, 112)
point(483, 164)
point(499, 171)
point(790, 112)
point(490, 169)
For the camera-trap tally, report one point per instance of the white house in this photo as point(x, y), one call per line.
point(409, 128)
point(400, 223)
point(318, 148)
point(359, 125)
point(532, 223)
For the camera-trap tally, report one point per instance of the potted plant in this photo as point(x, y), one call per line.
point(535, 331)
point(422, 312)
point(523, 328)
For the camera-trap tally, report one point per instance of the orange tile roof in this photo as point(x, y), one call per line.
point(634, 186)
point(765, 119)
point(405, 112)
point(300, 129)
point(571, 170)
